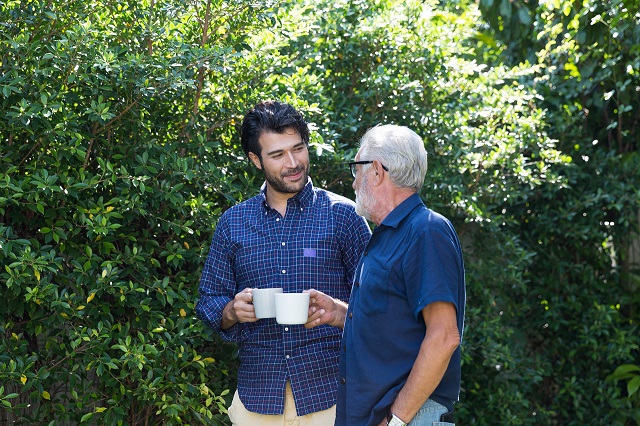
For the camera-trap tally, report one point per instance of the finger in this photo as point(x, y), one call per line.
point(316, 318)
point(313, 293)
point(314, 322)
point(246, 313)
point(242, 318)
point(246, 295)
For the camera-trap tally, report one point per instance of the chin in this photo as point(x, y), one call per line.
point(362, 211)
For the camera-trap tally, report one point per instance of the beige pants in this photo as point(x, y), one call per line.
point(240, 416)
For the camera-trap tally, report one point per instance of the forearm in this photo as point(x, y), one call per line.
point(427, 372)
point(340, 314)
point(421, 383)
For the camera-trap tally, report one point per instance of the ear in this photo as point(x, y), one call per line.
point(255, 160)
point(378, 177)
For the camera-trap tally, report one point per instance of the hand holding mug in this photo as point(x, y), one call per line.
point(324, 309)
point(241, 307)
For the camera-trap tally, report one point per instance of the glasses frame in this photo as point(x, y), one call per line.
point(352, 166)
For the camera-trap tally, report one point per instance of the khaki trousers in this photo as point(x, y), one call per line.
point(240, 416)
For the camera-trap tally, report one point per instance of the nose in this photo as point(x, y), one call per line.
point(290, 160)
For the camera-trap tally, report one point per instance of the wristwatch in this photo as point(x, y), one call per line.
point(393, 420)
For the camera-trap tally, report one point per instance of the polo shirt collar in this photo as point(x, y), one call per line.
point(396, 216)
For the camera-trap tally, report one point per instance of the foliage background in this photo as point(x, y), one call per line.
point(119, 150)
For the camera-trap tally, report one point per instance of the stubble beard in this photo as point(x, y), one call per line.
point(278, 184)
point(364, 200)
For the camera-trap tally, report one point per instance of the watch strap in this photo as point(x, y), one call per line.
point(393, 420)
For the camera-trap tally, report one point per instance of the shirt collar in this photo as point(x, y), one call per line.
point(304, 197)
point(396, 216)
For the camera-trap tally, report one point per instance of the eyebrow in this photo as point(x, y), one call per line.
point(280, 151)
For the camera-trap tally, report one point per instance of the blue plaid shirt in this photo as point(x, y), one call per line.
point(317, 244)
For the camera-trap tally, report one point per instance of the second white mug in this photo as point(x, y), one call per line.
point(292, 308)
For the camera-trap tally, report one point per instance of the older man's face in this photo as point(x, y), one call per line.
point(364, 198)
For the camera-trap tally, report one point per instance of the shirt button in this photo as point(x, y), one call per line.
point(277, 219)
point(287, 357)
point(350, 314)
point(286, 329)
point(343, 381)
point(357, 284)
point(284, 244)
point(284, 271)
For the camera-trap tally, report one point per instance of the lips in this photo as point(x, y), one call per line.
point(295, 175)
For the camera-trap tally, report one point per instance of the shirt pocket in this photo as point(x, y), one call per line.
point(374, 291)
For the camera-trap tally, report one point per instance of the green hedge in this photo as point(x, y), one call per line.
point(114, 170)
point(119, 151)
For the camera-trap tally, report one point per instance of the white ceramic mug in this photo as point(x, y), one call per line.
point(292, 308)
point(263, 302)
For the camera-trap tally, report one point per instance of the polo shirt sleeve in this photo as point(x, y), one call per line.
point(217, 285)
point(432, 266)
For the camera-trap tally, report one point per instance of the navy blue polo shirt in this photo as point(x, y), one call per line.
point(413, 259)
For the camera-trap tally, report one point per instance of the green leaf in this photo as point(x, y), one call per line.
point(633, 385)
point(625, 371)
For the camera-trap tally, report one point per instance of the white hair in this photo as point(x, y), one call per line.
point(400, 150)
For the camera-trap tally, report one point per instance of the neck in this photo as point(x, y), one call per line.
point(278, 200)
point(389, 198)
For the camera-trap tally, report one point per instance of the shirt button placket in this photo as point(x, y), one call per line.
point(283, 256)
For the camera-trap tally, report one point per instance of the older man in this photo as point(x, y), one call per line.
point(400, 360)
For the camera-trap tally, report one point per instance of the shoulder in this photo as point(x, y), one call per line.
point(435, 217)
point(340, 208)
point(334, 201)
point(241, 211)
point(425, 220)
point(244, 206)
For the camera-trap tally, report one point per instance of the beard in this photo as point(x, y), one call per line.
point(278, 183)
point(364, 200)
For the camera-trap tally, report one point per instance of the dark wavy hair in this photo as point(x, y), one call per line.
point(273, 117)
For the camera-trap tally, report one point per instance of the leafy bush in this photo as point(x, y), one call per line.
point(584, 278)
point(119, 151)
point(115, 168)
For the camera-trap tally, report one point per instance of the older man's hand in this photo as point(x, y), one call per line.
point(324, 309)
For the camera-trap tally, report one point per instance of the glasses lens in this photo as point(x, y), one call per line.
point(353, 170)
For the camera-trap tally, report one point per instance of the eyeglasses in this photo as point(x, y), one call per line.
point(352, 166)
